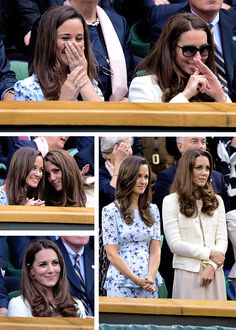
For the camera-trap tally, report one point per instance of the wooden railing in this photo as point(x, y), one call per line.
point(42, 323)
point(165, 311)
point(113, 114)
point(78, 216)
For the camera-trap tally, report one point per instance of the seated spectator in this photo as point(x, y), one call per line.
point(12, 29)
point(195, 229)
point(222, 24)
point(45, 290)
point(24, 182)
point(63, 182)
point(76, 249)
point(180, 68)
point(131, 234)
point(65, 70)
point(112, 50)
point(7, 77)
point(85, 155)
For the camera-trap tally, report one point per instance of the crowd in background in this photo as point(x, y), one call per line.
point(194, 195)
point(94, 50)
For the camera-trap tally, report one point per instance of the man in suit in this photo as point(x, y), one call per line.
point(224, 28)
point(162, 188)
point(71, 246)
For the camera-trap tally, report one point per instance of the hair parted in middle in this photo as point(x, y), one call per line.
point(126, 180)
point(46, 63)
point(21, 164)
point(161, 61)
point(188, 193)
point(34, 292)
point(72, 193)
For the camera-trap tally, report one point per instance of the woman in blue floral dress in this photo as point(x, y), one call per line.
point(63, 67)
point(131, 234)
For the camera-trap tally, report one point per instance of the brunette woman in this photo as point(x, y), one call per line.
point(25, 180)
point(131, 233)
point(181, 66)
point(45, 290)
point(195, 228)
point(63, 66)
point(63, 184)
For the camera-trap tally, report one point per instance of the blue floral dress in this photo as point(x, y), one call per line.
point(29, 89)
point(133, 246)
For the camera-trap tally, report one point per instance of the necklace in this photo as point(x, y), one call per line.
point(94, 23)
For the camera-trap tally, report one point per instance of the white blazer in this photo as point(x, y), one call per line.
point(18, 307)
point(192, 239)
point(145, 89)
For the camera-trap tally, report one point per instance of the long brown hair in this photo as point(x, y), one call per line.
point(187, 192)
point(21, 164)
point(46, 64)
point(72, 193)
point(34, 292)
point(127, 177)
point(161, 61)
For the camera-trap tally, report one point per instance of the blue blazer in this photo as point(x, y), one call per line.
point(73, 278)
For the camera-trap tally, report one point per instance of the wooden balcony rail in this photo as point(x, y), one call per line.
point(42, 323)
point(47, 215)
point(115, 114)
point(167, 311)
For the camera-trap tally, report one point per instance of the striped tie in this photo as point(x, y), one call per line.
point(83, 298)
point(220, 66)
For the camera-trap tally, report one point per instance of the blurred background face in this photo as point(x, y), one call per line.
point(75, 242)
point(195, 142)
point(206, 7)
point(56, 142)
point(36, 174)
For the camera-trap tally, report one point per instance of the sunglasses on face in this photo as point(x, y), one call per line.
point(191, 50)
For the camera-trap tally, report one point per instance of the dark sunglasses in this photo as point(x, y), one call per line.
point(190, 50)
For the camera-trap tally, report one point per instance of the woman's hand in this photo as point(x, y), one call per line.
point(34, 202)
point(75, 81)
point(207, 275)
point(75, 56)
point(147, 284)
point(196, 83)
point(150, 284)
point(213, 87)
point(217, 257)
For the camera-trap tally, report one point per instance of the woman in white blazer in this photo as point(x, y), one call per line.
point(180, 67)
point(195, 228)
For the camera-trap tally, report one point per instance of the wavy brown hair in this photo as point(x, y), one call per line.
point(127, 177)
point(72, 193)
point(161, 61)
point(34, 292)
point(21, 164)
point(46, 64)
point(188, 193)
